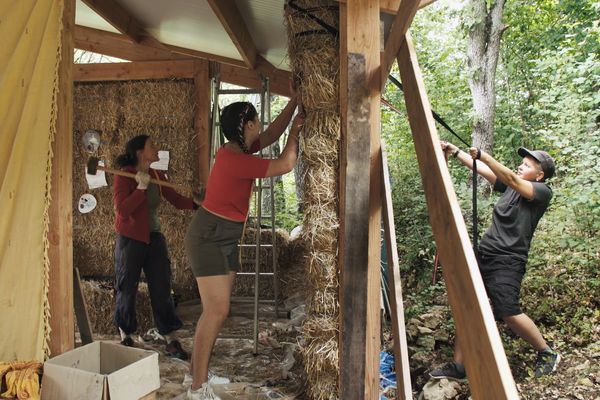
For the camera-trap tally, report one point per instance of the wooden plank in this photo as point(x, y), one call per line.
point(118, 17)
point(361, 261)
point(233, 22)
point(134, 71)
point(403, 19)
point(60, 234)
point(81, 313)
point(202, 118)
point(487, 368)
point(404, 391)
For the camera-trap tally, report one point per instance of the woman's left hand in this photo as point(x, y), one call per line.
point(476, 153)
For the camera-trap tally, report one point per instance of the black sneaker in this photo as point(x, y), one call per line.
point(173, 349)
point(128, 341)
point(546, 363)
point(451, 370)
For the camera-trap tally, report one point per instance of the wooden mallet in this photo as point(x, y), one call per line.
point(93, 167)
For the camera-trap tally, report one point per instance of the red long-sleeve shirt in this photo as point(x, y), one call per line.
point(131, 204)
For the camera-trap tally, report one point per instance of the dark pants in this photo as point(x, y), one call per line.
point(131, 256)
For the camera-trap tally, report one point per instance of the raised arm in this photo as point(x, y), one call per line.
point(506, 176)
point(466, 160)
point(277, 127)
point(287, 159)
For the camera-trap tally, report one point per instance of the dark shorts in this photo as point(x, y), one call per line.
point(502, 276)
point(211, 244)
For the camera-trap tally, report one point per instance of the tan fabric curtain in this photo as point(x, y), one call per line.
point(29, 55)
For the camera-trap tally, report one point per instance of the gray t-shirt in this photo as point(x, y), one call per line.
point(514, 220)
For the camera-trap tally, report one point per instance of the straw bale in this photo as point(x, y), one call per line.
point(118, 111)
point(314, 57)
point(99, 298)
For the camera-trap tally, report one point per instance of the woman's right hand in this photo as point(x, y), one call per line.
point(142, 179)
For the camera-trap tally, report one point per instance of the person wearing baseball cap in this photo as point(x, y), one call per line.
point(504, 248)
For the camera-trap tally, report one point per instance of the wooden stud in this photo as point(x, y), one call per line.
point(60, 234)
point(202, 117)
point(360, 260)
point(489, 374)
point(404, 391)
point(233, 22)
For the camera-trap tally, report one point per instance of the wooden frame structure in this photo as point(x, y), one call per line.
point(364, 71)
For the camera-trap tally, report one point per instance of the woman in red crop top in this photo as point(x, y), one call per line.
point(212, 238)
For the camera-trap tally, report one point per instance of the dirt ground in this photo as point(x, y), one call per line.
point(273, 373)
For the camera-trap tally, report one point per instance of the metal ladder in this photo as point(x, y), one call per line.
point(256, 215)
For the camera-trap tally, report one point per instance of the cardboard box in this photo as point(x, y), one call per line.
point(101, 371)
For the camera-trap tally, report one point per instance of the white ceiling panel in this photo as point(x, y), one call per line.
point(85, 16)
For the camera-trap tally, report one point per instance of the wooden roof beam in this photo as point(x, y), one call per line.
point(116, 45)
point(165, 69)
point(119, 18)
point(234, 24)
point(404, 17)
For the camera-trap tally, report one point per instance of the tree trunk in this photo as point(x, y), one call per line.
point(482, 54)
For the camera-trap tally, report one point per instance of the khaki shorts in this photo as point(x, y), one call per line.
point(211, 244)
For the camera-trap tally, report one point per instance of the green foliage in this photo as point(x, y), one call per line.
point(548, 97)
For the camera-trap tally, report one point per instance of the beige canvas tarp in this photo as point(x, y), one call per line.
point(29, 54)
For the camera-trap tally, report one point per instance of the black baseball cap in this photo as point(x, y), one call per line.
point(546, 161)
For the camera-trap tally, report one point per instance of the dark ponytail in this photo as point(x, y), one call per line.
point(233, 118)
point(129, 157)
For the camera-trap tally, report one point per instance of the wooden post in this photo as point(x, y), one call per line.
point(360, 255)
point(60, 235)
point(487, 368)
point(403, 382)
point(202, 118)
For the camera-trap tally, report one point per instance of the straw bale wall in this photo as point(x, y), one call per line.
point(314, 57)
point(118, 111)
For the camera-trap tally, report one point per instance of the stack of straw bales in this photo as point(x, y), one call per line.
point(119, 111)
point(314, 57)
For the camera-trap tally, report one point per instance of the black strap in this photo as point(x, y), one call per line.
point(318, 20)
point(475, 233)
point(474, 200)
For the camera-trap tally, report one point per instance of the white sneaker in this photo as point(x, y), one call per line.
point(205, 392)
point(217, 380)
point(212, 379)
point(152, 336)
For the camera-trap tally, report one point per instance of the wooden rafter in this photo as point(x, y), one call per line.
point(402, 21)
point(234, 24)
point(117, 45)
point(119, 18)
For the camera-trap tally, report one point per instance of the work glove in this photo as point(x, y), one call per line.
point(142, 179)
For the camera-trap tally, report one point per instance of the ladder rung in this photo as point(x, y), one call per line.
point(254, 273)
point(238, 91)
point(253, 245)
